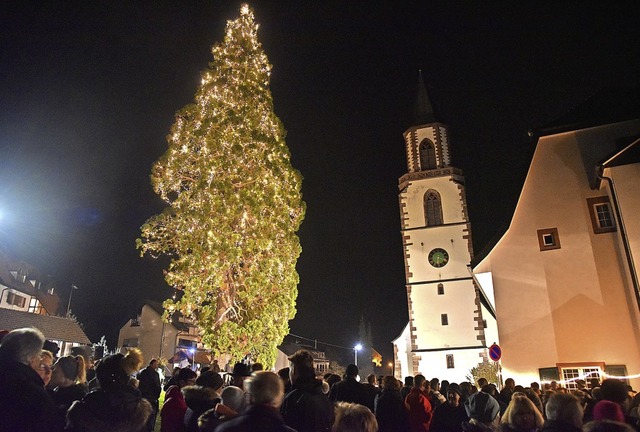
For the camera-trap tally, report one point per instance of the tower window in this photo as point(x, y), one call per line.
point(440, 289)
point(427, 155)
point(450, 364)
point(432, 208)
point(444, 319)
point(601, 215)
point(548, 239)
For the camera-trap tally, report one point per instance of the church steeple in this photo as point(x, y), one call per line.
point(423, 111)
point(427, 140)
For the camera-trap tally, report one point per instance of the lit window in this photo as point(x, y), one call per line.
point(444, 319)
point(450, 364)
point(601, 215)
point(440, 289)
point(548, 239)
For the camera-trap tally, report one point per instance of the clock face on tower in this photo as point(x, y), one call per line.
point(438, 257)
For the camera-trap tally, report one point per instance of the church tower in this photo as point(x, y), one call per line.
point(445, 336)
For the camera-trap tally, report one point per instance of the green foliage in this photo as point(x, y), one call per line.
point(486, 369)
point(234, 205)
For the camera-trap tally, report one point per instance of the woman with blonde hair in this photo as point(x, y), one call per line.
point(46, 363)
point(521, 415)
point(351, 417)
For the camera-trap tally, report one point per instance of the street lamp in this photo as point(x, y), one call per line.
point(357, 348)
point(193, 358)
point(390, 368)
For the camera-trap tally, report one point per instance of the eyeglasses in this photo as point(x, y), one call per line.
point(45, 368)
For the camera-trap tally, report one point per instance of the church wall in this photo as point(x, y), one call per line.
point(561, 305)
point(457, 301)
point(434, 364)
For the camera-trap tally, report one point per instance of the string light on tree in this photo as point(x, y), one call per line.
point(234, 205)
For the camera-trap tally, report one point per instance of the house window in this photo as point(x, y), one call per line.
point(432, 208)
point(188, 343)
point(571, 374)
point(440, 289)
point(427, 155)
point(548, 239)
point(135, 322)
point(601, 215)
point(34, 306)
point(131, 342)
point(444, 319)
point(16, 300)
point(450, 364)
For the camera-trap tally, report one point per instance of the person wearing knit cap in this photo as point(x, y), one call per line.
point(449, 416)
point(483, 411)
point(608, 410)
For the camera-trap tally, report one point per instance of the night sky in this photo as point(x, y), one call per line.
point(89, 89)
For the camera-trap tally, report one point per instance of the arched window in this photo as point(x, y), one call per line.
point(427, 155)
point(432, 208)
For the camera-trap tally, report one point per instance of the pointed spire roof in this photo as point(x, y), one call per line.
point(423, 111)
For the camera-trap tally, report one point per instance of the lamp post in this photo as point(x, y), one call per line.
point(73, 287)
point(193, 358)
point(357, 348)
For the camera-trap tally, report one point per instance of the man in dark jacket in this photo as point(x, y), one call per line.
point(305, 407)
point(349, 389)
point(150, 388)
point(267, 392)
point(26, 406)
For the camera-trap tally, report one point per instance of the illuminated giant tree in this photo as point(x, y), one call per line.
point(234, 205)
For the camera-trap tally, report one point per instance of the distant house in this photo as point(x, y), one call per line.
point(22, 288)
point(563, 277)
point(320, 361)
point(178, 341)
point(28, 299)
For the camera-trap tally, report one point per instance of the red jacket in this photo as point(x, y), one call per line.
point(420, 411)
point(172, 413)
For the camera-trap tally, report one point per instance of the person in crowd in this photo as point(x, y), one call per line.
point(257, 367)
point(443, 387)
point(349, 389)
point(173, 380)
point(419, 406)
point(521, 415)
point(266, 393)
point(232, 404)
point(465, 388)
point(507, 391)
point(436, 398)
point(390, 410)
point(564, 414)
point(492, 390)
point(352, 417)
point(175, 407)
point(284, 376)
point(482, 382)
point(406, 388)
point(371, 390)
point(332, 379)
point(608, 410)
point(117, 406)
point(535, 386)
point(46, 363)
point(483, 412)
point(607, 426)
point(449, 416)
point(201, 397)
point(25, 404)
point(69, 384)
point(150, 387)
point(241, 371)
point(533, 397)
point(305, 407)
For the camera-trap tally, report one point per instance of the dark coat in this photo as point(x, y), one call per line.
point(555, 426)
point(348, 390)
point(122, 409)
point(63, 398)
point(24, 403)
point(257, 418)
point(306, 408)
point(198, 399)
point(447, 418)
point(149, 384)
point(391, 413)
point(370, 393)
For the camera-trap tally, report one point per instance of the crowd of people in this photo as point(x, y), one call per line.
point(41, 393)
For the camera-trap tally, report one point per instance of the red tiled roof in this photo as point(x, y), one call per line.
point(53, 327)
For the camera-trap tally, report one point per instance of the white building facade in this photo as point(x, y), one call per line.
point(566, 289)
point(451, 322)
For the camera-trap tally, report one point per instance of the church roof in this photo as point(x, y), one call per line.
point(423, 110)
